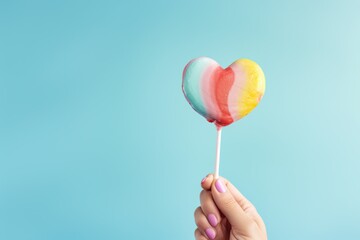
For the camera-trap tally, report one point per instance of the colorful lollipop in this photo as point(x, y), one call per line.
point(223, 96)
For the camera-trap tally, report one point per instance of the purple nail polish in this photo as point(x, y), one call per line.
point(212, 220)
point(220, 186)
point(210, 233)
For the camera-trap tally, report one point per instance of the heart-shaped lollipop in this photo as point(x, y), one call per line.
point(223, 96)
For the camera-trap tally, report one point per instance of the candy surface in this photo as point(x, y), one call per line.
point(222, 95)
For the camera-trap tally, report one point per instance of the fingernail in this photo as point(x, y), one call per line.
point(203, 180)
point(212, 220)
point(220, 186)
point(210, 233)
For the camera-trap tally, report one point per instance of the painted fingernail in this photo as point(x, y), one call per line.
point(210, 233)
point(203, 180)
point(220, 186)
point(212, 220)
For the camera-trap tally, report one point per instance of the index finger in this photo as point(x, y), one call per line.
point(207, 181)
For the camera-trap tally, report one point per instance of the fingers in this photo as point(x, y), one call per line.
point(227, 200)
point(207, 181)
point(199, 236)
point(209, 208)
point(245, 204)
point(228, 204)
point(203, 224)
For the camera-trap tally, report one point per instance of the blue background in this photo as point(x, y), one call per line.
point(98, 142)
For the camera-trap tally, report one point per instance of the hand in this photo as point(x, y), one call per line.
point(225, 214)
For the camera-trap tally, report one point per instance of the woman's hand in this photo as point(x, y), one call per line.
point(225, 214)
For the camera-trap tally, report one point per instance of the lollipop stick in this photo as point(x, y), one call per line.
point(218, 143)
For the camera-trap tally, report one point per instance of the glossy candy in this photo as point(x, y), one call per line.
point(223, 96)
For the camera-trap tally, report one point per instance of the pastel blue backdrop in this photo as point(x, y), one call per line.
point(98, 142)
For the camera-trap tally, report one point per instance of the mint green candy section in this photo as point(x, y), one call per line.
point(192, 80)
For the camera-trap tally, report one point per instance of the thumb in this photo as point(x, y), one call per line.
point(228, 205)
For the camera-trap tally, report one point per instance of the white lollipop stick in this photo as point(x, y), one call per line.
point(218, 144)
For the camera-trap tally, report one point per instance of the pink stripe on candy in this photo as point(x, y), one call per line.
point(208, 94)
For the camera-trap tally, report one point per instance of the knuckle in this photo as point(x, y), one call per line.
point(229, 202)
point(195, 232)
point(248, 227)
point(251, 227)
point(202, 194)
point(197, 216)
point(197, 222)
point(196, 212)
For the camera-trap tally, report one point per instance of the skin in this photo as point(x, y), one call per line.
point(237, 218)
